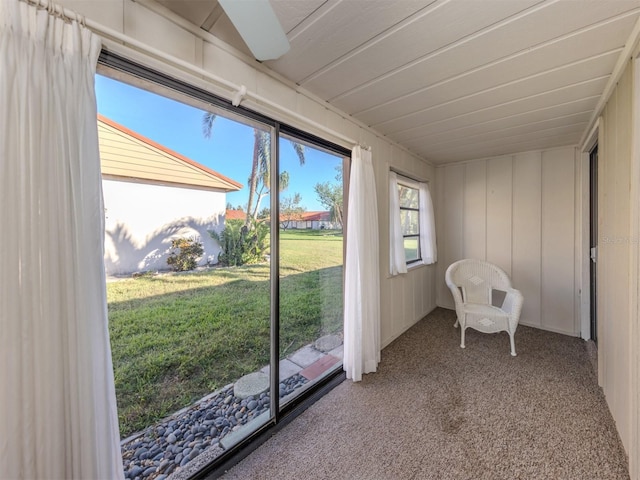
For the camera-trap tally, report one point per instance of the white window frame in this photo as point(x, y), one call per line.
point(407, 182)
point(426, 224)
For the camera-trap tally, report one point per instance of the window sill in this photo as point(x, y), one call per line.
point(416, 265)
point(411, 267)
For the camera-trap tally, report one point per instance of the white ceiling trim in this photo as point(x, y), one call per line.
point(625, 55)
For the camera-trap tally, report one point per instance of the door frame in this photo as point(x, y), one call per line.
point(593, 241)
point(584, 247)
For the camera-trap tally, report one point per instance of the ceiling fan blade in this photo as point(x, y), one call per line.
point(257, 24)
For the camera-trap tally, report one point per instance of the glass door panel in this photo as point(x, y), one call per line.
point(187, 263)
point(311, 265)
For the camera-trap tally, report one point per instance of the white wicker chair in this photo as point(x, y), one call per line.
point(472, 283)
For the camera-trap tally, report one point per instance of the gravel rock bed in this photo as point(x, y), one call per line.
point(165, 447)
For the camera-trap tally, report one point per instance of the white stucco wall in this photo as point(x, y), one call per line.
point(142, 219)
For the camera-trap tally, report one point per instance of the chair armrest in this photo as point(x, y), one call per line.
point(457, 299)
point(457, 295)
point(512, 303)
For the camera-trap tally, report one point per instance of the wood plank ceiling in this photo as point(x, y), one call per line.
point(450, 79)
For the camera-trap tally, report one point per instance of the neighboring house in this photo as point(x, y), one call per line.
point(316, 221)
point(235, 215)
point(153, 195)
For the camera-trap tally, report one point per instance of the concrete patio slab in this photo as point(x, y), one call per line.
point(252, 384)
point(328, 343)
point(287, 369)
point(338, 352)
point(306, 356)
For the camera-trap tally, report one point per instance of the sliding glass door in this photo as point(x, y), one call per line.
point(224, 258)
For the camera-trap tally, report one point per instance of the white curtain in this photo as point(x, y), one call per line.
point(58, 414)
point(428, 248)
point(397, 259)
point(362, 271)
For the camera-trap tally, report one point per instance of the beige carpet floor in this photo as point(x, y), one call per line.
point(436, 411)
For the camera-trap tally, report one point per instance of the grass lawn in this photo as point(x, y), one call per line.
point(177, 337)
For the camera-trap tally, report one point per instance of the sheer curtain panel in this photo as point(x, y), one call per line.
point(362, 272)
point(58, 414)
point(397, 260)
point(428, 247)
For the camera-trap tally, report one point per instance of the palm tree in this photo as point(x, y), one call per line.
point(260, 177)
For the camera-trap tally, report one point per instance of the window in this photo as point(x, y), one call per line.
point(411, 222)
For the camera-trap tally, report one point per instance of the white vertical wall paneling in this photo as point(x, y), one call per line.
point(623, 220)
point(398, 313)
point(607, 308)
point(381, 165)
point(414, 287)
point(601, 260)
point(411, 295)
point(623, 249)
point(509, 202)
point(499, 210)
point(430, 296)
point(558, 288)
point(452, 208)
point(442, 298)
point(475, 210)
point(424, 293)
point(617, 248)
point(527, 219)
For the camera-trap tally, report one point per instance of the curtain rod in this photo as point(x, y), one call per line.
point(238, 92)
point(57, 11)
point(407, 175)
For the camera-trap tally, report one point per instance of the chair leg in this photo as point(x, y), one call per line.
point(455, 325)
point(462, 337)
point(513, 345)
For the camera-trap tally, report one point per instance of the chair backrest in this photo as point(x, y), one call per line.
point(477, 280)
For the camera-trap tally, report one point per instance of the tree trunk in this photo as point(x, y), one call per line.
point(254, 215)
point(253, 179)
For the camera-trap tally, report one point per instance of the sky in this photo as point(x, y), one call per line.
point(229, 151)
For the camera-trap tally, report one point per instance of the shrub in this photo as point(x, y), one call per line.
point(242, 244)
point(186, 258)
